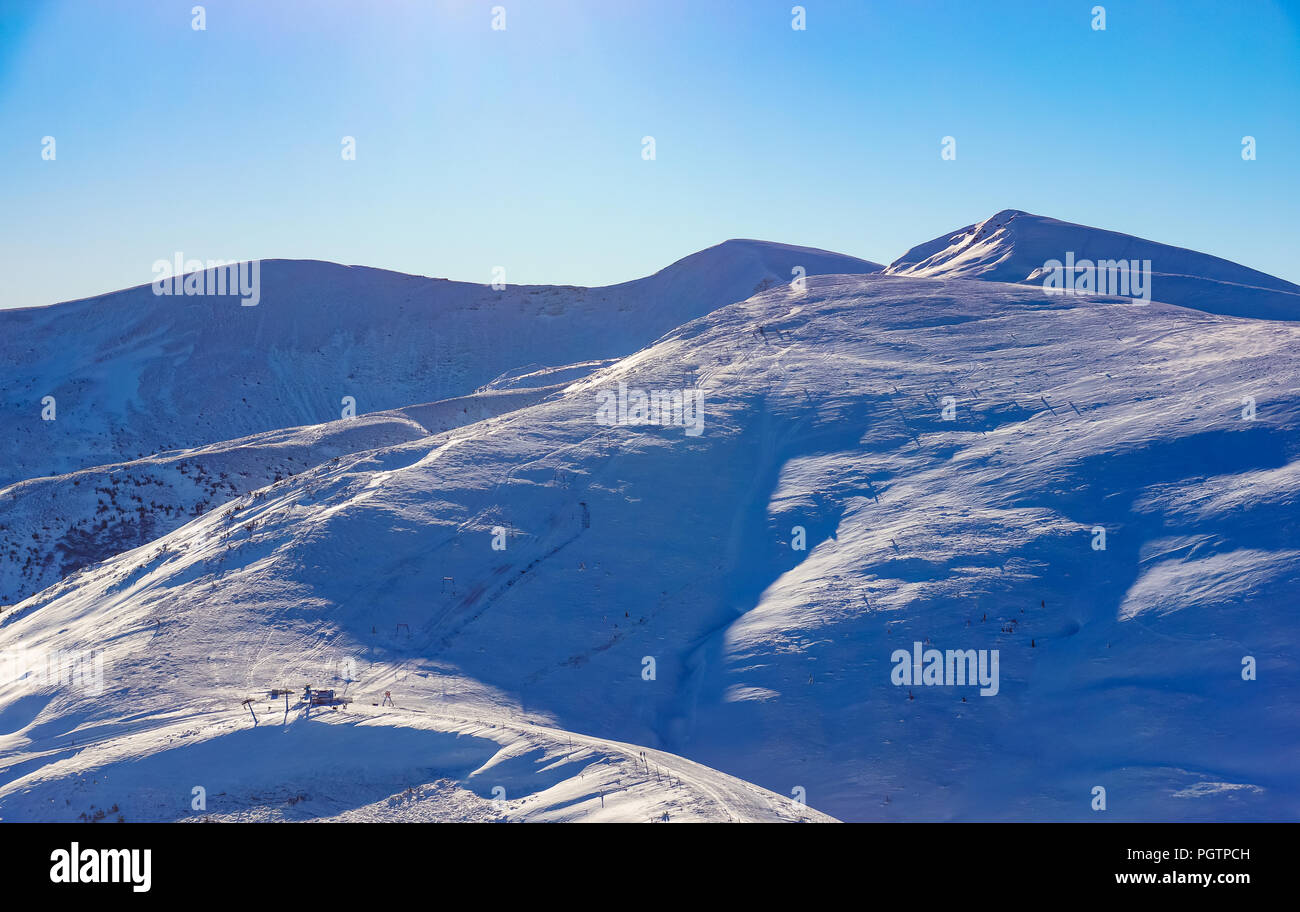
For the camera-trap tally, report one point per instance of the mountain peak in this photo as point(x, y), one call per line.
point(1017, 246)
point(772, 257)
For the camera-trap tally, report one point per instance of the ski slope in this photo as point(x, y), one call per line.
point(1120, 668)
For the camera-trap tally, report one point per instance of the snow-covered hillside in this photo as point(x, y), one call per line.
point(133, 373)
point(949, 448)
point(1013, 246)
point(53, 526)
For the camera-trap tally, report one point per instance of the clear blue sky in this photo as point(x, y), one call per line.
point(522, 148)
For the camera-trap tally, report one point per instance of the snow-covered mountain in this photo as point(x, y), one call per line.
point(1014, 246)
point(948, 449)
point(133, 374)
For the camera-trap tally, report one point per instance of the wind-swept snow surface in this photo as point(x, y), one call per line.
point(1014, 246)
point(952, 452)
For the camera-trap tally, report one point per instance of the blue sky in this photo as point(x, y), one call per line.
point(522, 148)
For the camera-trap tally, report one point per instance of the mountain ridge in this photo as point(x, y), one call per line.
point(132, 373)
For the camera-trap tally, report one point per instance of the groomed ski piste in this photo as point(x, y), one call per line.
point(528, 612)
